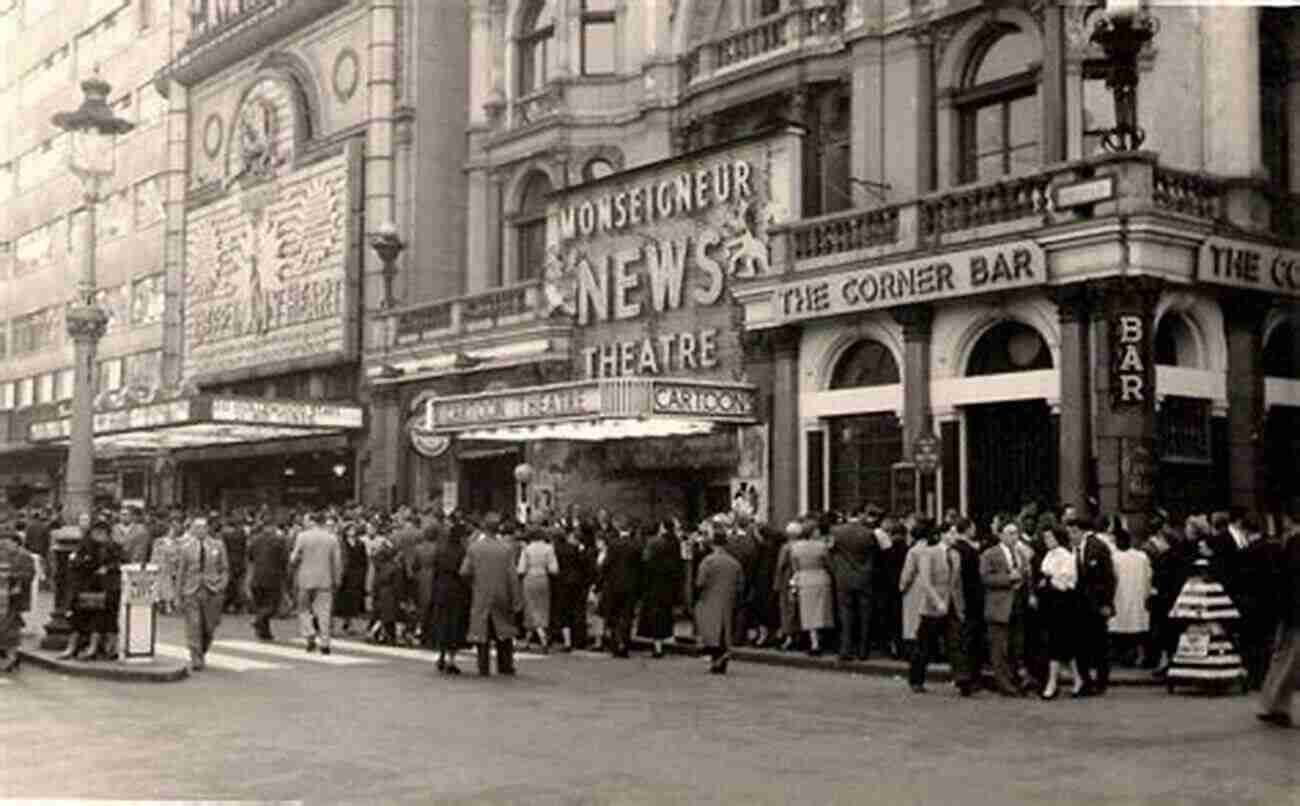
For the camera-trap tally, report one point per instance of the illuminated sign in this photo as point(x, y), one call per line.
point(1242, 264)
point(642, 259)
point(714, 402)
point(176, 411)
point(267, 278)
point(1130, 359)
point(1019, 264)
point(286, 412)
point(558, 402)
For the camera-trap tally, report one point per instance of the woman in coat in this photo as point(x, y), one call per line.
point(388, 591)
point(662, 561)
point(94, 590)
point(810, 560)
point(350, 598)
point(913, 593)
point(719, 583)
point(783, 587)
point(569, 588)
point(450, 598)
point(536, 565)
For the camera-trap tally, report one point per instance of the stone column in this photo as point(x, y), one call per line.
point(1075, 430)
point(384, 446)
point(1230, 48)
point(1243, 319)
point(380, 173)
point(1125, 419)
point(1053, 84)
point(785, 481)
point(916, 321)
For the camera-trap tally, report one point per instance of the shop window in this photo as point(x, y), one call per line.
point(598, 168)
point(599, 38)
point(999, 108)
point(1281, 358)
point(530, 227)
point(534, 41)
point(816, 474)
point(1009, 347)
point(867, 363)
point(864, 449)
point(1175, 344)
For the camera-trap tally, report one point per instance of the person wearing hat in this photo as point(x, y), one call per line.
point(202, 575)
point(95, 586)
point(719, 582)
point(21, 571)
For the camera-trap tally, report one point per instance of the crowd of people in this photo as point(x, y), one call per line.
point(1037, 592)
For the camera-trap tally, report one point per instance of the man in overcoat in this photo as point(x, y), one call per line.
point(1284, 670)
point(853, 558)
point(620, 584)
point(1095, 572)
point(495, 598)
point(719, 582)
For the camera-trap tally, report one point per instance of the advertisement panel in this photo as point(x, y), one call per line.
point(267, 274)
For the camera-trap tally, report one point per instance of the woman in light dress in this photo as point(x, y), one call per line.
point(164, 556)
point(1131, 622)
point(812, 579)
point(1058, 604)
point(537, 564)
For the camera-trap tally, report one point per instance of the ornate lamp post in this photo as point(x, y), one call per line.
point(388, 245)
point(91, 131)
point(1124, 29)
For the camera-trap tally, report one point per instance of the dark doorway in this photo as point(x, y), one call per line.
point(487, 483)
point(1011, 457)
point(863, 449)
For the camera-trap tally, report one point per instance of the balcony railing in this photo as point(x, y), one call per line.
point(448, 318)
point(789, 30)
point(1025, 203)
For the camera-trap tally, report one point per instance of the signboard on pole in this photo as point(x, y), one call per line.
point(925, 453)
point(137, 617)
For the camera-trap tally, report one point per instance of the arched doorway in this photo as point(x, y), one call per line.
point(1185, 439)
point(1281, 361)
point(1011, 445)
point(863, 447)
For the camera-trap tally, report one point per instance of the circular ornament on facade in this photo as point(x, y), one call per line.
point(212, 134)
point(347, 74)
point(1023, 348)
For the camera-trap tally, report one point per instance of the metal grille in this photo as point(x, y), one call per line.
point(863, 448)
point(1012, 458)
point(1184, 430)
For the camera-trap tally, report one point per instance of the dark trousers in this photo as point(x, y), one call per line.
point(974, 641)
point(1094, 649)
point(854, 609)
point(929, 634)
point(1006, 648)
point(266, 601)
point(621, 611)
point(505, 653)
point(235, 592)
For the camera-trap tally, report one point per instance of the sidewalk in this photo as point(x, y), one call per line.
point(155, 670)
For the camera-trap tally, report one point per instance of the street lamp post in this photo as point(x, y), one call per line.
point(388, 245)
point(1125, 27)
point(90, 130)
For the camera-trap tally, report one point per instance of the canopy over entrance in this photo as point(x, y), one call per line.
point(203, 420)
point(620, 408)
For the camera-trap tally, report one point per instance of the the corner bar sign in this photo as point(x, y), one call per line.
point(1243, 264)
point(1018, 264)
point(1131, 382)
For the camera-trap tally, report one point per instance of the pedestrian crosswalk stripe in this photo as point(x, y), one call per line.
point(419, 655)
point(219, 660)
point(4, 681)
point(293, 653)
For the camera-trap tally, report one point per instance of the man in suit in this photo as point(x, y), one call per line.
point(268, 558)
point(1284, 670)
point(133, 536)
point(495, 597)
point(1003, 572)
point(853, 558)
point(1095, 574)
point(943, 607)
point(317, 560)
point(202, 573)
point(973, 628)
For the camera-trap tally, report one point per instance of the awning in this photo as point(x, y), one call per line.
point(592, 410)
point(204, 420)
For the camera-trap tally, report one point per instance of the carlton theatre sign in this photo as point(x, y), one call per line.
point(642, 260)
point(268, 279)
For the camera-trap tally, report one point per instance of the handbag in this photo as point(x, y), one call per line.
point(92, 601)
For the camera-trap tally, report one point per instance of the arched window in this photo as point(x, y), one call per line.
point(867, 363)
point(534, 39)
point(530, 226)
point(999, 109)
point(1175, 342)
point(1009, 347)
point(1281, 358)
point(599, 38)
